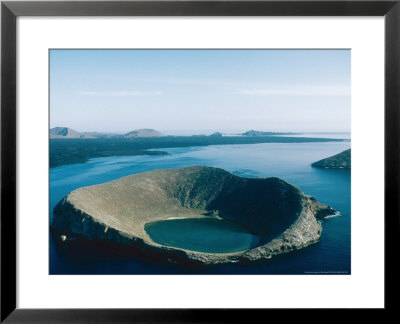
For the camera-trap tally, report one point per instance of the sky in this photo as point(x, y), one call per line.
point(200, 91)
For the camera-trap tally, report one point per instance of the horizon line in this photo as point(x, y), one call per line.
point(203, 130)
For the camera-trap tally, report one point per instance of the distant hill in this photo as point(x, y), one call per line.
point(145, 132)
point(66, 132)
point(340, 160)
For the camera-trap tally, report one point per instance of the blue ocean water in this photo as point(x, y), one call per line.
point(289, 161)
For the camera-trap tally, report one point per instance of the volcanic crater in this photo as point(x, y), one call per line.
point(270, 215)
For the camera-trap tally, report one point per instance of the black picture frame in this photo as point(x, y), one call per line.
point(10, 10)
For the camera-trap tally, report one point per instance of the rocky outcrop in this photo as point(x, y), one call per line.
point(339, 161)
point(280, 214)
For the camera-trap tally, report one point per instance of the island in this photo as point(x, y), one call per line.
point(339, 161)
point(269, 215)
point(66, 132)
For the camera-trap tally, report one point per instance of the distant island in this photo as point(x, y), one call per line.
point(124, 213)
point(339, 161)
point(145, 132)
point(66, 132)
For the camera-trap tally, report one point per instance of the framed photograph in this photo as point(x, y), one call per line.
point(178, 154)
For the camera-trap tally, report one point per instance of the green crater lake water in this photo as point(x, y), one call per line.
point(202, 234)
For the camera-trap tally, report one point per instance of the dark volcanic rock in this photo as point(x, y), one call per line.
point(280, 214)
point(341, 160)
